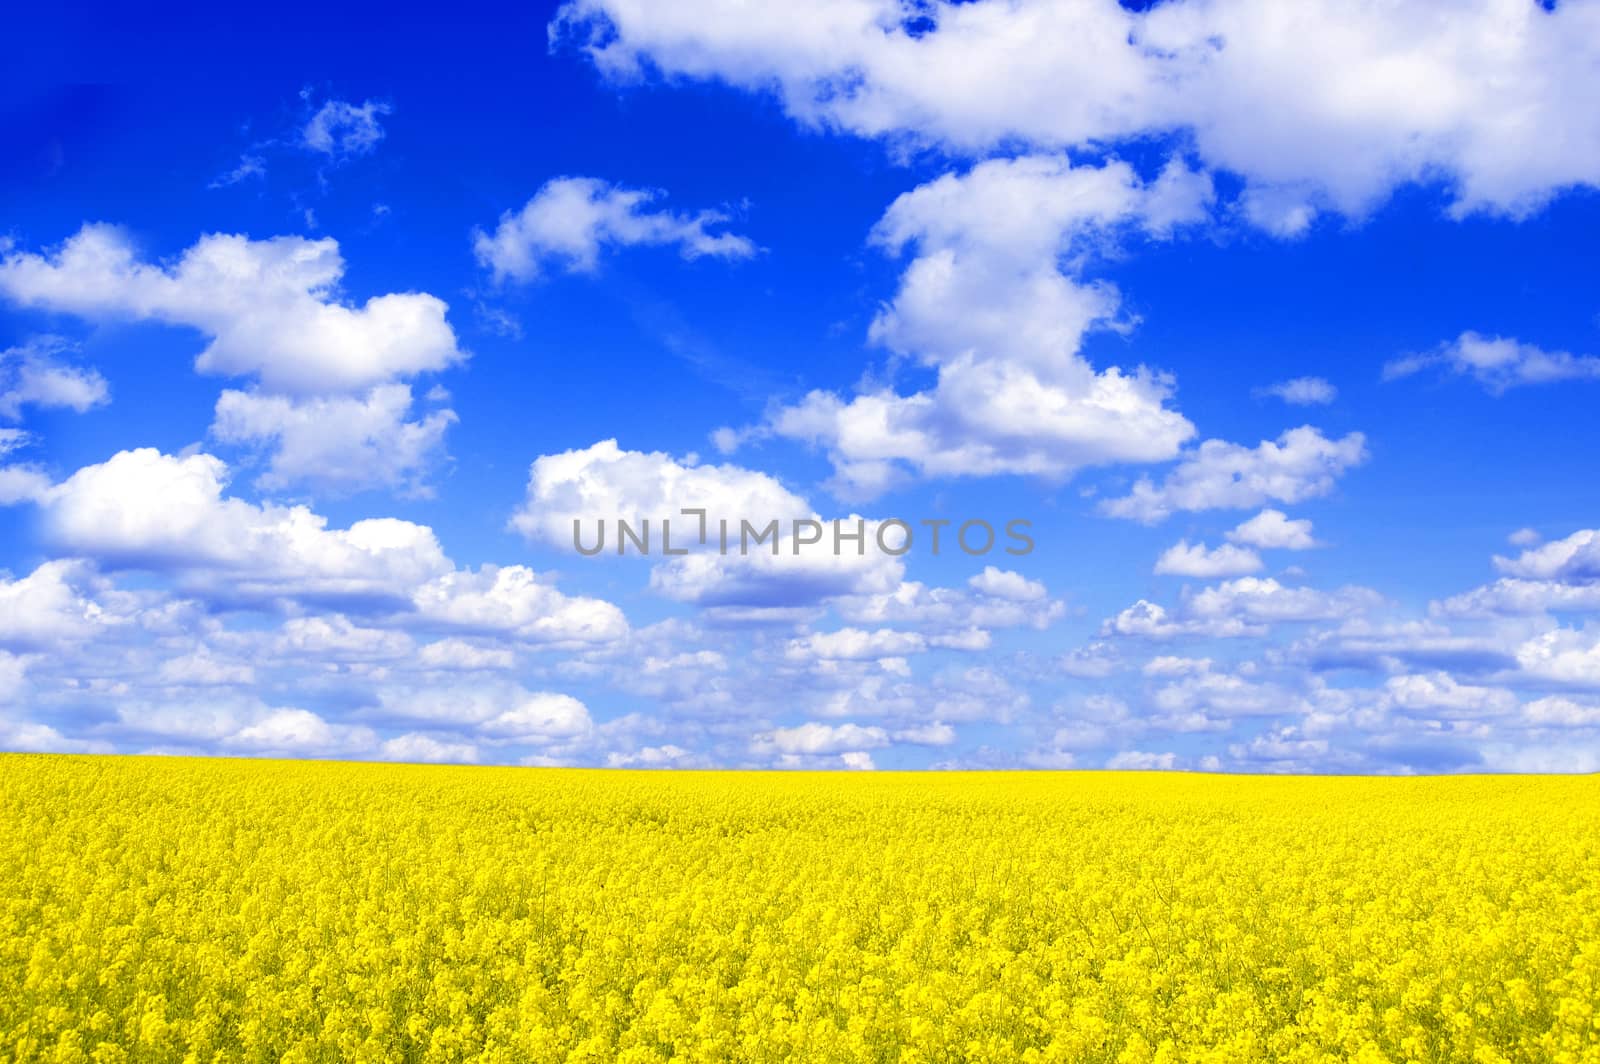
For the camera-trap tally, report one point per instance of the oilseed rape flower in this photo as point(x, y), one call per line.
point(182, 910)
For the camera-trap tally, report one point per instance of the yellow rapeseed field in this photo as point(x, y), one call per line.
point(199, 910)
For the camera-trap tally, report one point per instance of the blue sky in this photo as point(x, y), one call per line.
point(1280, 326)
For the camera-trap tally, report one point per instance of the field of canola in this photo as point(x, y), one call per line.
point(199, 910)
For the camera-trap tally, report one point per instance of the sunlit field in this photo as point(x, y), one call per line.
point(173, 910)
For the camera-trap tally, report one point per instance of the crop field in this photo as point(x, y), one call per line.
point(200, 910)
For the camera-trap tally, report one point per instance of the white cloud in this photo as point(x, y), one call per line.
point(993, 302)
point(335, 637)
point(1358, 642)
point(19, 483)
point(934, 733)
point(1247, 606)
point(339, 128)
point(417, 747)
point(459, 654)
point(1302, 391)
point(338, 443)
point(1143, 761)
point(1442, 695)
point(29, 737)
point(1257, 599)
point(1561, 575)
point(249, 166)
point(1327, 105)
point(540, 717)
point(665, 756)
point(1498, 363)
point(814, 738)
point(1005, 584)
point(1283, 749)
point(1563, 655)
point(1150, 620)
point(1173, 665)
point(1556, 711)
point(855, 644)
point(605, 483)
point(1514, 597)
point(1543, 759)
point(143, 509)
point(1272, 530)
point(299, 732)
point(35, 374)
point(1184, 559)
point(515, 601)
point(1573, 559)
point(203, 668)
point(269, 307)
point(149, 510)
point(327, 401)
point(993, 598)
point(48, 607)
point(1203, 700)
point(571, 220)
point(1301, 464)
point(496, 712)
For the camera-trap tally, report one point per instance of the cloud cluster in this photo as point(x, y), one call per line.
point(1497, 363)
point(570, 221)
point(1300, 464)
point(995, 302)
point(1328, 106)
point(326, 371)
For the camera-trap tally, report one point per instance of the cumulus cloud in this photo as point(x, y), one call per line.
point(1247, 606)
point(1573, 559)
point(1206, 700)
point(994, 598)
point(1186, 559)
point(815, 738)
point(336, 637)
point(1143, 761)
point(146, 510)
point(1301, 464)
point(514, 601)
point(417, 747)
point(268, 307)
point(1564, 656)
point(1561, 575)
point(1259, 599)
point(994, 302)
point(337, 443)
point(1151, 620)
point(1439, 694)
point(298, 732)
point(604, 483)
point(326, 400)
point(1330, 106)
point(54, 604)
point(1390, 646)
point(36, 374)
point(1273, 530)
point(1497, 363)
point(855, 644)
point(571, 221)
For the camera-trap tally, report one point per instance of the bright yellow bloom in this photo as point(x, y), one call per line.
point(159, 910)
